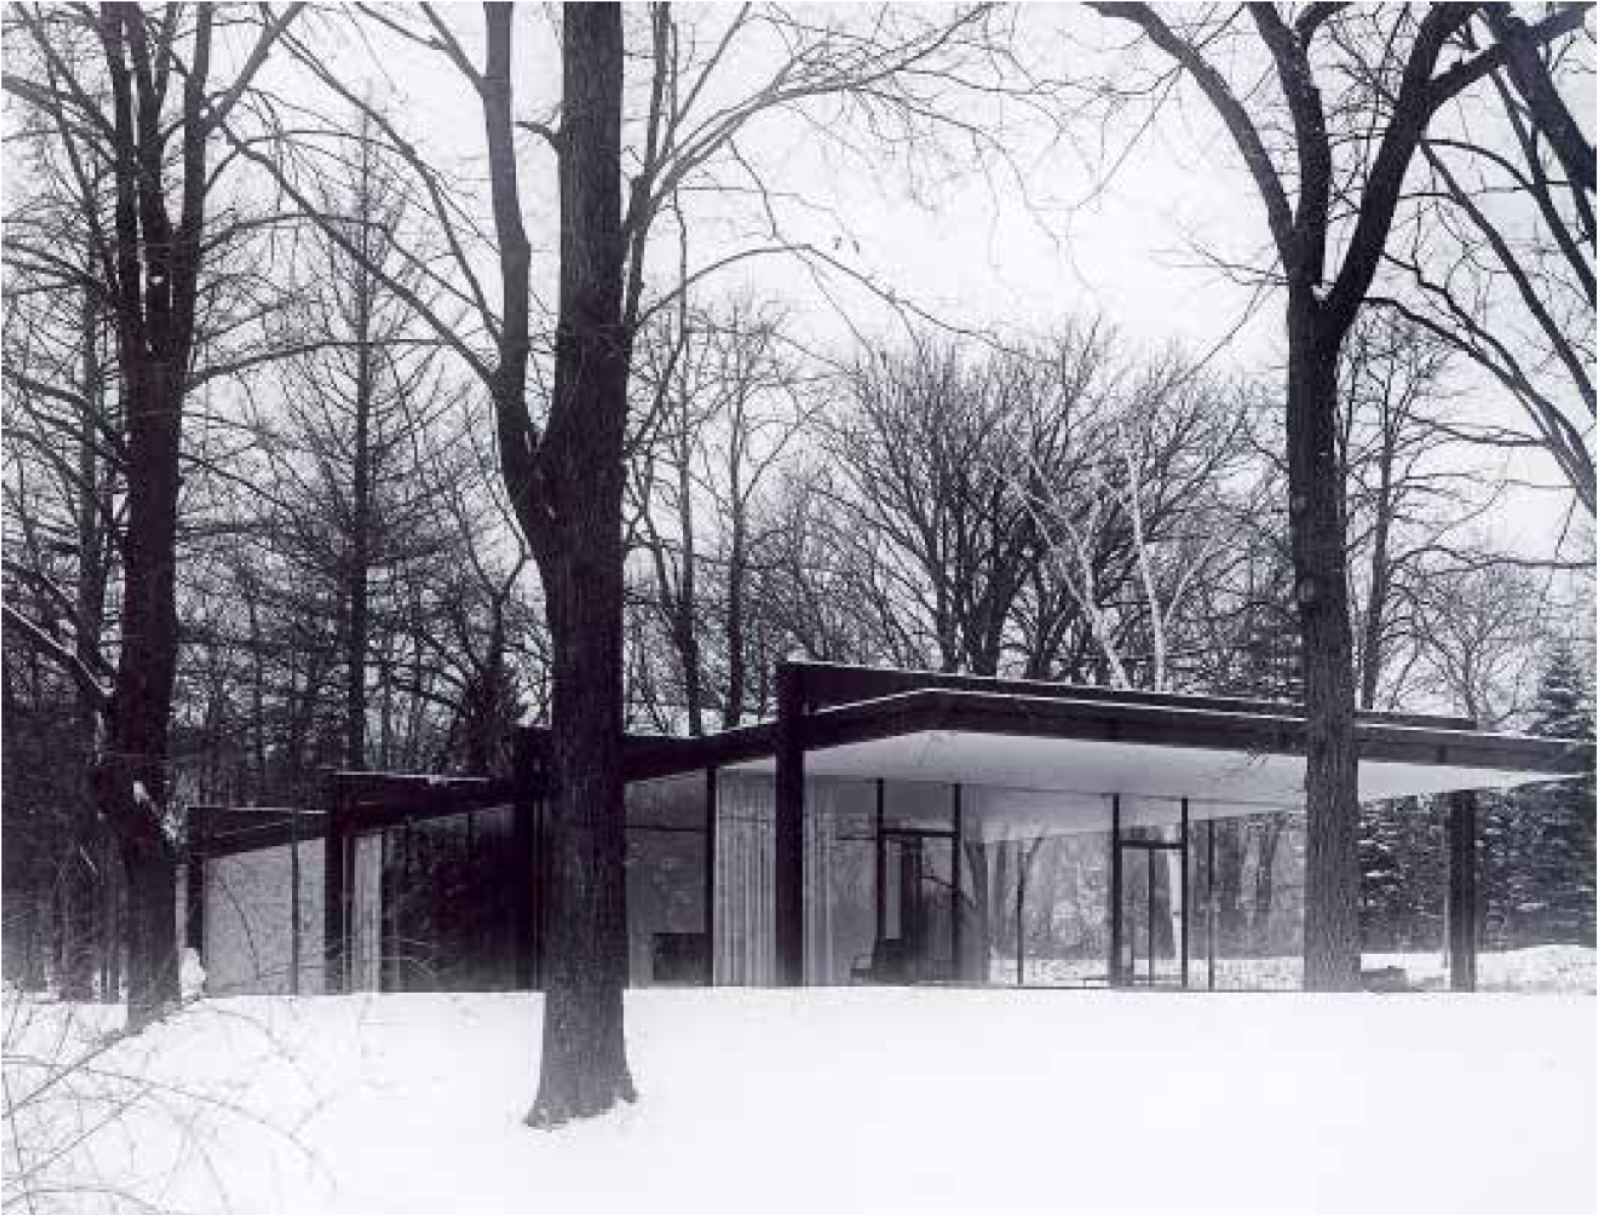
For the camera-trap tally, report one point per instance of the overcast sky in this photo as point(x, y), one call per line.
point(1059, 223)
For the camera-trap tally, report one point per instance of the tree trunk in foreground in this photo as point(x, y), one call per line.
point(578, 545)
point(131, 776)
point(1322, 306)
point(1322, 597)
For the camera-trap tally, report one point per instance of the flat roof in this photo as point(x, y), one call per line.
point(1247, 756)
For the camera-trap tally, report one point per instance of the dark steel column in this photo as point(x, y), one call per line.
point(1183, 878)
point(1114, 975)
point(1463, 896)
point(1022, 886)
point(194, 883)
point(957, 910)
point(296, 961)
point(1150, 915)
point(881, 877)
point(1211, 904)
point(335, 905)
point(711, 876)
point(789, 830)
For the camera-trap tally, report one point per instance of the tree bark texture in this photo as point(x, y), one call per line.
point(576, 537)
point(1322, 597)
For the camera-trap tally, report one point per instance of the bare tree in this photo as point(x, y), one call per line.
point(730, 404)
point(564, 471)
point(1496, 255)
point(126, 93)
point(1136, 532)
point(1483, 629)
point(1347, 181)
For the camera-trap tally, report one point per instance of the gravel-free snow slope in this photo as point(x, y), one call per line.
point(829, 1101)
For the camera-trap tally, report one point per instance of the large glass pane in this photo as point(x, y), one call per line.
point(1405, 887)
point(1152, 853)
point(449, 886)
point(918, 940)
point(1034, 886)
point(1152, 914)
point(1258, 900)
point(742, 923)
point(666, 868)
point(249, 920)
point(840, 880)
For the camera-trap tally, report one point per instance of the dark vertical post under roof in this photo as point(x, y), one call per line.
point(295, 961)
point(194, 884)
point(711, 877)
point(335, 910)
point(879, 862)
point(789, 834)
point(956, 941)
point(1114, 973)
point(1022, 894)
point(1463, 893)
point(1211, 904)
point(1183, 897)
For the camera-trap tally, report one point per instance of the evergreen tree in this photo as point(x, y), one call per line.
point(1558, 819)
point(1502, 875)
point(1402, 876)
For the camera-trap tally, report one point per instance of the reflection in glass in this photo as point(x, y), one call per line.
point(666, 871)
point(447, 905)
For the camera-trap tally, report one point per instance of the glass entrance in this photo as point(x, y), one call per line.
point(1153, 914)
point(1150, 904)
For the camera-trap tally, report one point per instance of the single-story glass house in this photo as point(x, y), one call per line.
point(885, 827)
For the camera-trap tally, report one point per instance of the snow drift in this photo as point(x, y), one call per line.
point(835, 1100)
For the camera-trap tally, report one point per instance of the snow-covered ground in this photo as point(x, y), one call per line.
point(825, 1101)
point(1541, 968)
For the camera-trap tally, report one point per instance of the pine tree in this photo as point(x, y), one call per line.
point(1558, 825)
point(1564, 705)
point(1402, 876)
point(1502, 868)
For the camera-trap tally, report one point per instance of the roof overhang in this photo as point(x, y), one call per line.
point(1216, 758)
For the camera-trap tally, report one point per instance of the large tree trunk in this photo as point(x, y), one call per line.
point(131, 777)
point(584, 1068)
point(578, 545)
point(1316, 527)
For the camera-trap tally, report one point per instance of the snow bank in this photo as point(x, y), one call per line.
point(863, 1099)
point(1539, 968)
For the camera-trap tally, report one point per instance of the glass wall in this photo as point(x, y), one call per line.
point(742, 947)
point(666, 869)
point(1253, 899)
point(1036, 887)
point(841, 880)
point(445, 918)
point(919, 882)
point(249, 920)
point(1153, 846)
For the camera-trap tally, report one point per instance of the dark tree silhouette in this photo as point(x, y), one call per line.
point(1321, 305)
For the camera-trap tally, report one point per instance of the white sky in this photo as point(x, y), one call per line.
point(969, 243)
